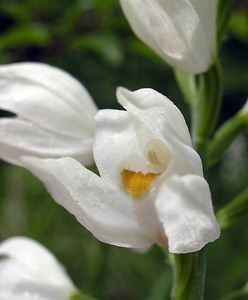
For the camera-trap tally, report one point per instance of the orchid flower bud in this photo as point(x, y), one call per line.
point(54, 114)
point(28, 271)
point(182, 32)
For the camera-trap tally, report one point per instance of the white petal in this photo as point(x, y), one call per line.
point(103, 210)
point(19, 137)
point(165, 123)
point(116, 146)
point(147, 218)
point(55, 114)
point(185, 210)
point(28, 104)
point(24, 297)
point(28, 270)
point(57, 81)
point(47, 96)
point(174, 30)
point(150, 101)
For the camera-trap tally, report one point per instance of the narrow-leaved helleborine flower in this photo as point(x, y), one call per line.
point(151, 187)
point(182, 32)
point(28, 271)
point(54, 114)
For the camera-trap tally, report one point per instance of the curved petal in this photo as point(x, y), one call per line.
point(19, 137)
point(149, 101)
point(29, 268)
point(57, 81)
point(103, 210)
point(51, 114)
point(116, 146)
point(184, 208)
point(47, 96)
point(148, 220)
point(166, 124)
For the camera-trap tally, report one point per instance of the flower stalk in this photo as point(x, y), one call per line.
point(189, 276)
point(204, 94)
point(206, 108)
point(187, 85)
point(183, 274)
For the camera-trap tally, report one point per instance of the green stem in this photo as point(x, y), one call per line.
point(205, 110)
point(233, 212)
point(225, 136)
point(187, 85)
point(200, 275)
point(204, 95)
point(183, 273)
point(189, 276)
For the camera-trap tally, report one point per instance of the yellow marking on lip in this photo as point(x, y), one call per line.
point(136, 184)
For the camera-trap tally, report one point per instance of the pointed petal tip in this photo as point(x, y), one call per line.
point(122, 92)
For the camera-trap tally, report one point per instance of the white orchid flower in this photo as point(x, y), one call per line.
point(55, 114)
point(151, 187)
point(182, 32)
point(28, 271)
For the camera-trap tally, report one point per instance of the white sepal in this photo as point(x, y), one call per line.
point(184, 208)
point(54, 114)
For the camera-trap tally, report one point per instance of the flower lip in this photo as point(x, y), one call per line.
point(156, 158)
point(137, 184)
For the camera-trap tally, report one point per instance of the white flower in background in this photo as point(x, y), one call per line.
point(28, 271)
point(55, 114)
point(182, 32)
point(151, 187)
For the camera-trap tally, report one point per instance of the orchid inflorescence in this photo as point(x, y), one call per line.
point(150, 188)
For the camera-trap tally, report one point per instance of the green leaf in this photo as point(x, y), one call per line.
point(233, 212)
point(21, 36)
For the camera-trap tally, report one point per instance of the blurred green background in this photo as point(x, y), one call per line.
point(92, 40)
